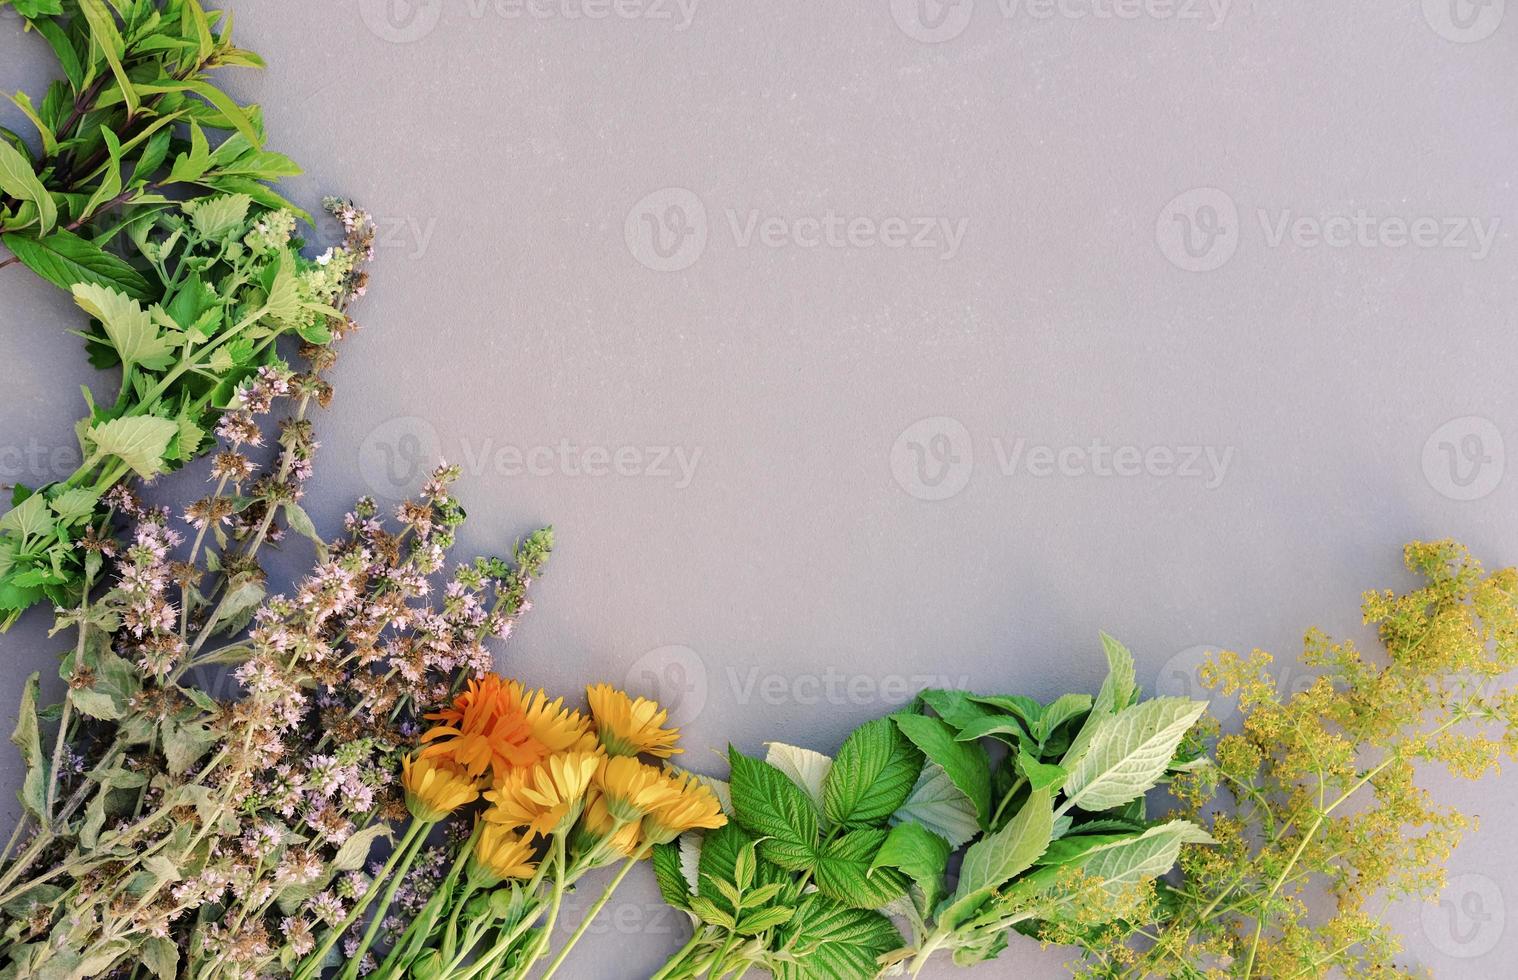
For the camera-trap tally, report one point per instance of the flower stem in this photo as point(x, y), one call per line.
point(594, 910)
point(313, 965)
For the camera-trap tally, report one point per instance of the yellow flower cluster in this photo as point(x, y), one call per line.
point(548, 770)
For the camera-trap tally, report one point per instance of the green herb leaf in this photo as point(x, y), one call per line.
point(1129, 752)
point(873, 775)
point(28, 738)
point(771, 807)
point(130, 328)
point(997, 858)
point(846, 871)
point(803, 767)
point(966, 763)
point(939, 805)
point(18, 180)
point(826, 940)
point(921, 854)
point(63, 259)
point(139, 442)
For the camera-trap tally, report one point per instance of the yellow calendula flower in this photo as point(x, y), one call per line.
point(545, 798)
point(435, 789)
point(630, 788)
point(688, 804)
point(628, 727)
point(598, 824)
point(558, 728)
point(500, 853)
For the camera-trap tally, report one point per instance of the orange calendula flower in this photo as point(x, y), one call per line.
point(628, 727)
point(499, 854)
point(688, 804)
point(486, 728)
point(435, 789)
point(546, 797)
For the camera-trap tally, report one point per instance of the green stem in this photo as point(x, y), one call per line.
point(313, 964)
point(594, 910)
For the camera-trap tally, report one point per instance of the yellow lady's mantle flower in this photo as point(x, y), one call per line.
point(687, 804)
point(435, 789)
point(545, 798)
point(501, 854)
point(628, 727)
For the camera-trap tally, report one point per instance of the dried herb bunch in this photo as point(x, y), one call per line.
point(1316, 807)
point(224, 762)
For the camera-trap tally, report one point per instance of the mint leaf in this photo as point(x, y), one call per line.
point(139, 442)
point(19, 180)
point(921, 854)
point(128, 327)
point(873, 775)
point(63, 259)
point(215, 216)
point(965, 762)
point(1129, 752)
point(997, 858)
point(940, 806)
point(771, 807)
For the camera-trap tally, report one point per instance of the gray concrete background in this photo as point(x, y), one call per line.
point(899, 283)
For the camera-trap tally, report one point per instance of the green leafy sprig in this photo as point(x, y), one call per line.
point(233, 283)
point(126, 128)
point(828, 860)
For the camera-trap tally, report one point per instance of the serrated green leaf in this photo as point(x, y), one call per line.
point(28, 518)
point(213, 217)
point(873, 775)
point(846, 871)
point(140, 442)
point(997, 858)
point(771, 807)
point(18, 180)
point(129, 328)
point(803, 767)
point(921, 854)
point(965, 762)
point(64, 259)
point(1041, 775)
point(28, 738)
point(74, 505)
point(670, 875)
point(826, 940)
point(355, 850)
point(1129, 752)
point(940, 806)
